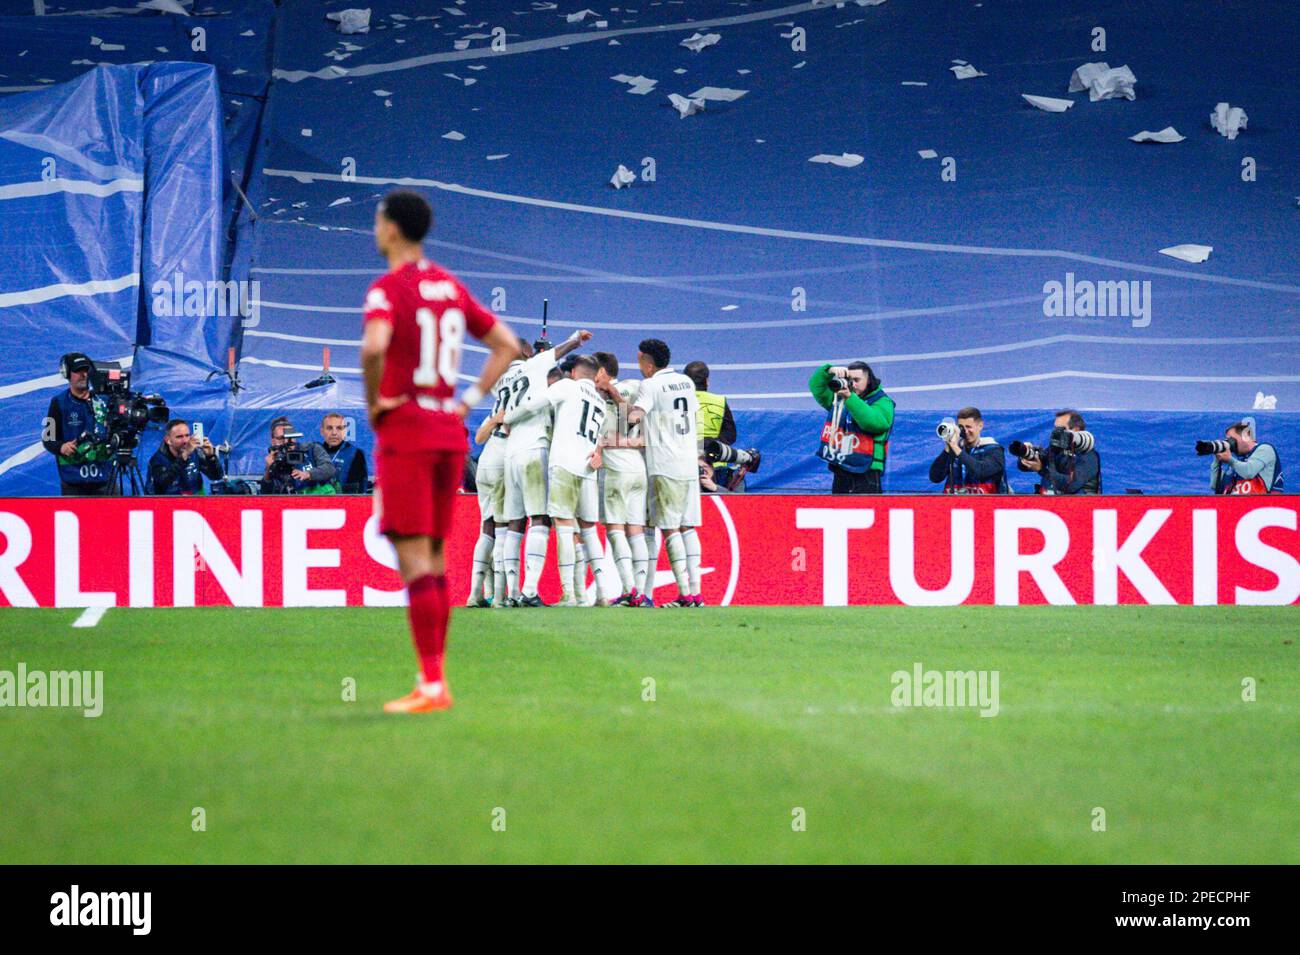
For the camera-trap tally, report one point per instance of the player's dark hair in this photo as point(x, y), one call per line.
point(1076, 420)
point(872, 381)
point(657, 351)
point(970, 411)
point(409, 211)
point(698, 372)
point(588, 362)
point(171, 424)
point(607, 361)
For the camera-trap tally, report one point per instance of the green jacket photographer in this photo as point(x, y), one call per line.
point(856, 446)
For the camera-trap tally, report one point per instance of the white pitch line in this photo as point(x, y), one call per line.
point(90, 617)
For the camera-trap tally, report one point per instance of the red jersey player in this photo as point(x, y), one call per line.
point(416, 317)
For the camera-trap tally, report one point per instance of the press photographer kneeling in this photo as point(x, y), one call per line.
point(969, 462)
point(293, 468)
point(1069, 464)
point(1242, 465)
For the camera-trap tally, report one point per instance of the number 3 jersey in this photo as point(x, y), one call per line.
point(579, 419)
point(671, 446)
point(430, 312)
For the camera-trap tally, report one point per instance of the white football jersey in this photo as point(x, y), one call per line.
point(579, 415)
point(616, 427)
point(529, 414)
point(671, 442)
point(494, 449)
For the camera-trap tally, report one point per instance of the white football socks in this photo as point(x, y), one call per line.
point(514, 541)
point(596, 557)
point(539, 538)
point(482, 564)
point(640, 561)
point(566, 555)
point(692, 540)
point(499, 588)
point(677, 557)
point(622, 558)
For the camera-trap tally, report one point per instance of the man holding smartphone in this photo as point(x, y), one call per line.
point(181, 462)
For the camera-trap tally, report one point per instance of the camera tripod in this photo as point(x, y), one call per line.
point(126, 475)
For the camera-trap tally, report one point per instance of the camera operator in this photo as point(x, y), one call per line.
point(76, 433)
point(1241, 464)
point(181, 462)
point(859, 418)
point(727, 465)
point(349, 460)
point(969, 462)
point(293, 468)
point(1069, 464)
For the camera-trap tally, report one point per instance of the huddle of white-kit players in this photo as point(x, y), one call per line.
point(580, 448)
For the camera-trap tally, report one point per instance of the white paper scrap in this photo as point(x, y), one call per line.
point(622, 177)
point(685, 107)
point(1189, 252)
point(699, 41)
point(718, 94)
point(1226, 120)
point(1166, 135)
point(353, 20)
point(639, 85)
point(1048, 104)
point(1103, 82)
point(844, 160)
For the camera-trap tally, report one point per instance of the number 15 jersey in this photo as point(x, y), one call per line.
point(430, 312)
point(671, 443)
point(579, 419)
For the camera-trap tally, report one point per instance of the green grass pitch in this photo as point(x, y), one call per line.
point(1138, 711)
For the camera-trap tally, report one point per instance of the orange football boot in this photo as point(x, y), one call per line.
point(417, 701)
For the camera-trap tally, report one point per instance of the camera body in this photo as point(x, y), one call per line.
point(126, 413)
point(287, 457)
point(1071, 442)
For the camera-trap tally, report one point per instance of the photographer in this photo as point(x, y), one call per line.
point(293, 468)
point(1069, 464)
point(855, 437)
point(76, 433)
point(1242, 465)
point(349, 460)
point(969, 463)
point(727, 465)
point(182, 462)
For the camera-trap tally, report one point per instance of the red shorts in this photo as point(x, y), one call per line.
point(415, 491)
